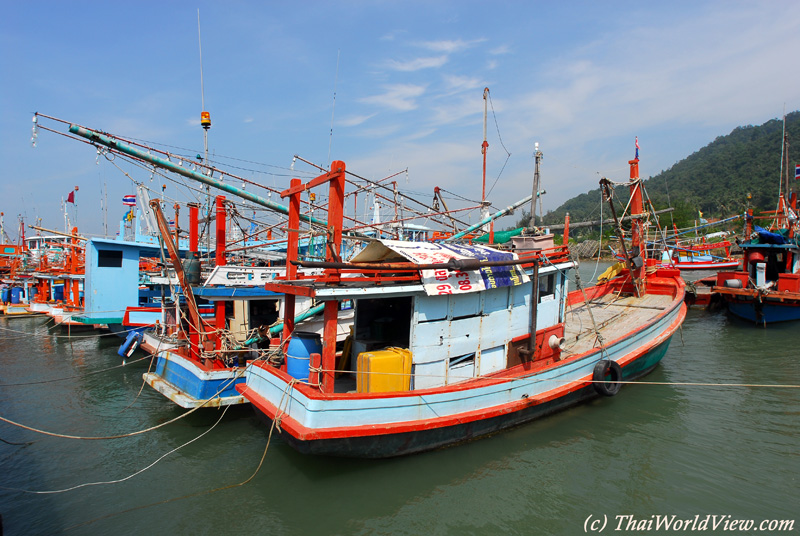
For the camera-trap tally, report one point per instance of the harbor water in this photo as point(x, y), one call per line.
point(705, 434)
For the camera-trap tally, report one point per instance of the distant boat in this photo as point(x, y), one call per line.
point(695, 254)
point(767, 290)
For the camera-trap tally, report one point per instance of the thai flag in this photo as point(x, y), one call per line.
point(129, 200)
point(797, 172)
point(637, 147)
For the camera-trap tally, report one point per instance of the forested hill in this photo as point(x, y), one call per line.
point(716, 179)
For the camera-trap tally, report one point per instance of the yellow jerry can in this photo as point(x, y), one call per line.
point(383, 371)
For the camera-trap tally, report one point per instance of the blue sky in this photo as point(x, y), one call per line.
point(581, 78)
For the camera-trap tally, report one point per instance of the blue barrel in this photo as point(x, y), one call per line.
point(298, 353)
point(16, 292)
point(5, 294)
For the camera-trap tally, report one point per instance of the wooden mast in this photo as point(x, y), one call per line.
point(174, 256)
point(484, 150)
point(336, 179)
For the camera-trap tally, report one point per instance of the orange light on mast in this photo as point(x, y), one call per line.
point(205, 120)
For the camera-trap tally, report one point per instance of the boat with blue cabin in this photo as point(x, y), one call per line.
point(767, 289)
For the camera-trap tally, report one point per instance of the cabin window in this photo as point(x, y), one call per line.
point(547, 287)
point(461, 368)
point(384, 321)
point(107, 258)
point(263, 312)
point(8, 250)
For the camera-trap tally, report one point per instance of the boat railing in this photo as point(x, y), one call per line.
point(554, 255)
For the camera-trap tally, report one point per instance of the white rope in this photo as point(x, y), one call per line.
point(117, 481)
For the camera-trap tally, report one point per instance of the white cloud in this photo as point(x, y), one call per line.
point(461, 83)
point(501, 50)
point(417, 64)
point(391, 36)
point(354, 121)
point(398, 97)
point(449, 47)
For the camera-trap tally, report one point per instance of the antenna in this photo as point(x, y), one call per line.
point(333, 111)
point(200, 48)
point(484, 150)
point(205, 122)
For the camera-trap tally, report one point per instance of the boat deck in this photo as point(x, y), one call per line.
point(613, 316)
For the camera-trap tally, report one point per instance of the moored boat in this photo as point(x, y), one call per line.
point(767, 289)
point(452, 342)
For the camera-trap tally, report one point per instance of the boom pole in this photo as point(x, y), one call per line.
point(196, 329)
point(124, 148)
point(488, 219)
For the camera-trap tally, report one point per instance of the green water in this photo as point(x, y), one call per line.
point(652, 450)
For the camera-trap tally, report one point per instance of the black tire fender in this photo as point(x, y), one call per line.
point(606, 376)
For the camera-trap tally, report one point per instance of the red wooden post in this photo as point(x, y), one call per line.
point(193, 240)
point(75, 296)
point(637, 234)
point(331, 316)
point(220, 257)
point(292, 232)
point(313, 375)
point(194, 335)
point(219, 306)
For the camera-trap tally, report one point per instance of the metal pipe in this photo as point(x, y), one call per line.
point(576, 225)
point(110, 142)
point(78, 237)
point(487, 219)
point(455, 265)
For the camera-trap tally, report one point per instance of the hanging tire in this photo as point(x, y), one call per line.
point(606, 376)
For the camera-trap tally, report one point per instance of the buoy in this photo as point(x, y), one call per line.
point(130, 344)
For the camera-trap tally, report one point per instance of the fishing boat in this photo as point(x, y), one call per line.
point(767, 289)
point(699, 256)
point(201, 367)
point(454, 342)
point(192, 367)
point(711, 251)
point(694, 254)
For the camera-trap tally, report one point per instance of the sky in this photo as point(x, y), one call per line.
point(385, 86)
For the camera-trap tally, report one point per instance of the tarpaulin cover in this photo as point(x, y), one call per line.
point(500, 237)
point(766, 237)
point(444, 281)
